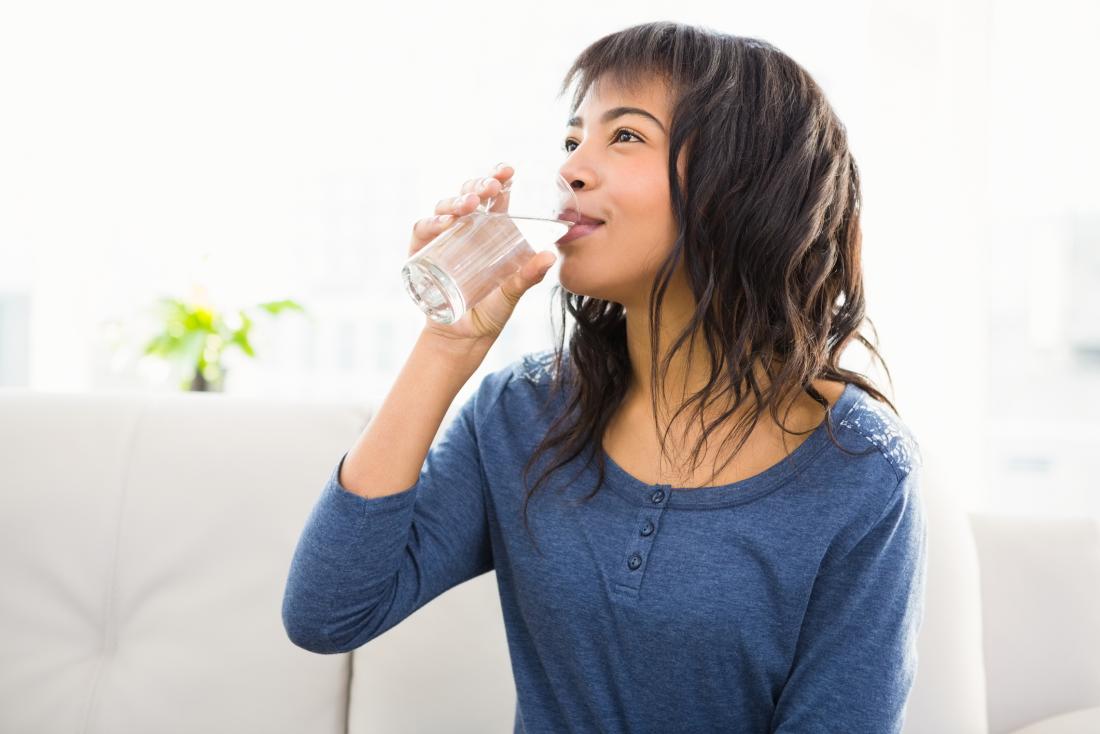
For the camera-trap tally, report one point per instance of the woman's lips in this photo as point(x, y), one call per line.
point(577, 231)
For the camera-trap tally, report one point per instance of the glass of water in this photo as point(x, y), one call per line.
point(480, 250)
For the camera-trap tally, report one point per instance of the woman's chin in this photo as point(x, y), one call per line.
point(576, 280)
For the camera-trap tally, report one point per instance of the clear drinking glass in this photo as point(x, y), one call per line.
point(480, 250)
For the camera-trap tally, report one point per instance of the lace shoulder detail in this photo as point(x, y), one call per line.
point(882, 427)
point(537, 367)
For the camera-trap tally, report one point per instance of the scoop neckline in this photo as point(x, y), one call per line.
point(744, 490)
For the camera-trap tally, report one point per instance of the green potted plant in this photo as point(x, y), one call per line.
point(196, 335)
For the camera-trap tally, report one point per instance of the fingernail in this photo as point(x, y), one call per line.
point(500, 166)
point(442, 218)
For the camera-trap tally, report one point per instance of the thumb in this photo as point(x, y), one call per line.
point(533, 271)
point(491, 313)
point(545, 261)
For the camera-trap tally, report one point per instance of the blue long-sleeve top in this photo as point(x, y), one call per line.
point(786, 602)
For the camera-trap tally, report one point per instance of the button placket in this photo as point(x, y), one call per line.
point(632, 567)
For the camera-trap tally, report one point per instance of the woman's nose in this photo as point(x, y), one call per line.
point(576, 180)
point(578, 175)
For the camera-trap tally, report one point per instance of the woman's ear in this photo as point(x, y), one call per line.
point(682, 162)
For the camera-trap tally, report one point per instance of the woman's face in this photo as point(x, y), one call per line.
point(616, 161)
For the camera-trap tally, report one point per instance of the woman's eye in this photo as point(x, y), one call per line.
point(620, 131)
point(628, 132)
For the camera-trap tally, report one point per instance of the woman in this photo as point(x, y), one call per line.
point(777, 586)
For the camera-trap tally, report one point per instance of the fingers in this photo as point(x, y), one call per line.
point(499, 179)
point(457, 205)
point(474, 191)
point(491, 184)
point(427, 229)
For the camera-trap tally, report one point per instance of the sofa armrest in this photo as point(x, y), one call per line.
point(1040, 582)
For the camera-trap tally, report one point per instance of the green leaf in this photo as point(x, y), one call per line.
point(276, 307)
point(240, 338)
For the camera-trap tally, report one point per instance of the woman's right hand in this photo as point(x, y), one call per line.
point(480, 325)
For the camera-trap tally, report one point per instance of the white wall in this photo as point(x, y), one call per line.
point(270, 151)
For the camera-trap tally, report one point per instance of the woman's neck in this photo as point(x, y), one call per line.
point(689, 371)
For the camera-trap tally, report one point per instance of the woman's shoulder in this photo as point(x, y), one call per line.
point(516, 384)
point(875, 423)
point(539, 367)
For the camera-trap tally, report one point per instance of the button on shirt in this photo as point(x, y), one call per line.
point(786, 602)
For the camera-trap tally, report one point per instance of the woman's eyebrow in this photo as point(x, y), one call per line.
point(614, 112)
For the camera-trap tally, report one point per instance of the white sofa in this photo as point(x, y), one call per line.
point(145, 541)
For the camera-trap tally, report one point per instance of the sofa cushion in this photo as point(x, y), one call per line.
point(1076, 722)
point(1041, 605)
point(145, 543)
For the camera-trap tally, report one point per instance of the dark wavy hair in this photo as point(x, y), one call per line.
point(768, 233)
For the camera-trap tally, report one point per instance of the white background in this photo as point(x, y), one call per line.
point(260, 151)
